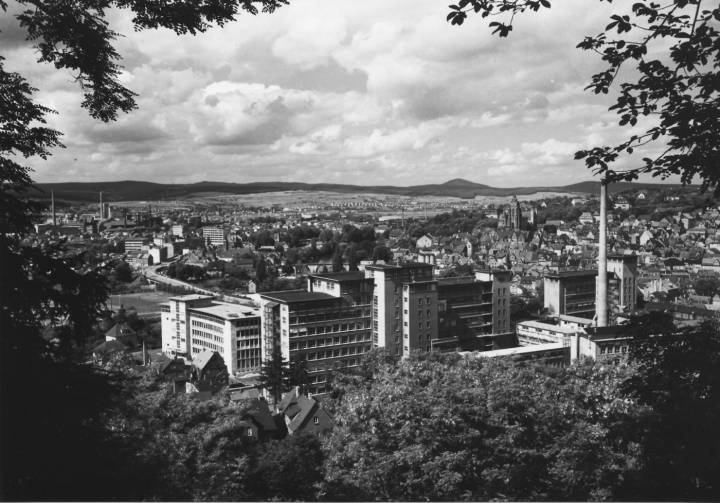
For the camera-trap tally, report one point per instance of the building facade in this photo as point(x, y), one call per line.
point(571, 292)
point(194, 323)
point(214, 235)
point(327, 331)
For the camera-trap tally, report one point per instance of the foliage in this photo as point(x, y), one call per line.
point(288, 469)
point(274, 374)
point(449, 429)
point(708, 286)
point(673, 98)
point(678, 380)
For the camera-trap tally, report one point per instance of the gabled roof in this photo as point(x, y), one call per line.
point(260, 412)
point(202, 358)
point(119, 330)
point(307, 407)
point(109, 347)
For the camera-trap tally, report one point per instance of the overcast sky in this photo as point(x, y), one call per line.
point(340, 91)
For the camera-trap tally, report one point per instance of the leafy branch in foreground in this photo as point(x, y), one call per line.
point(671, 93)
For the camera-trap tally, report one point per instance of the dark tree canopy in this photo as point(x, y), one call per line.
point(76, 36)
point(675, 99)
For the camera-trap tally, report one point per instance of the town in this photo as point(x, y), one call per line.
point(319, 286)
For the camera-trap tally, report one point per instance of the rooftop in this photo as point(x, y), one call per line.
point(290, 296)
point(405, 265)
point(571, 274)
point(535, 348)
point(340, 276)
point(192, 296)
point(228, 311)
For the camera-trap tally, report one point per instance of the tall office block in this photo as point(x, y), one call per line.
point(328, 331)
point(389, 305)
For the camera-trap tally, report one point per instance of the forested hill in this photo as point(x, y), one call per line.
point(136, 190)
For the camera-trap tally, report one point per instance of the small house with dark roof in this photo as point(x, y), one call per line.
point(121, 332)
point(304, 414)
point(209, 371)
point(106, 350)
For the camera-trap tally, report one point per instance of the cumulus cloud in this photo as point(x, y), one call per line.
point(341, 91)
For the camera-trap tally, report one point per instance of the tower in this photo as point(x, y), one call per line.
point(52, 207)
point(515, 214)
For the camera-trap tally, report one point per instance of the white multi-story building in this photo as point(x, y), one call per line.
point(192, 323)
point(214, 235)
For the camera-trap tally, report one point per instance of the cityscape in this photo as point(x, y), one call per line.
point(396, 298)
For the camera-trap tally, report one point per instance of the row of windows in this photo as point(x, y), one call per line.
point(213, 337)
point(347, 339)
point(248, 332)
point(613, 349)
point(207, 326)
point(253, 343)
point(199, 345)
point(334, 314)
point(334, 353)
point(339, 327)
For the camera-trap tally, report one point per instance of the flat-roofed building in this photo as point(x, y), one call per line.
point(194, 323)
point(389, 304)
point(214, 235)
point(535, 332)
point(624, 268)
point(571, 292)
point(473, 313)
point(135, 245)
point(327, 331)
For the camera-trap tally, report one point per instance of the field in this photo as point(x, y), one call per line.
point(145, 302)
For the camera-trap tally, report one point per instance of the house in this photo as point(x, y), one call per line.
point(104, 351)
point(120, 332)
point(209, 371)
point(175, 371)
point(426, 241)
point(304, 414)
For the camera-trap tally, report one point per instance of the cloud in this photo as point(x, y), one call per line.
point(342, 91)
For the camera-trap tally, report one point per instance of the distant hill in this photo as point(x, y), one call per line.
point(149, 191)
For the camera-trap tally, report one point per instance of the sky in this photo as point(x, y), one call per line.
point(339, 91)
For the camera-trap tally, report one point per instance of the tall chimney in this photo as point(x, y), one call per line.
point(52, 207)
point(601, 307)
point(101, 206)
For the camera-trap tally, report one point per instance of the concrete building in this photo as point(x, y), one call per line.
point(328, 330)
point(193, 323)
point(473, 313)
point(571, 292)
point(530, 333)
point(624, 268)
point(390, 303)
point(214, 235)
point(177, 230)
point(135, 245)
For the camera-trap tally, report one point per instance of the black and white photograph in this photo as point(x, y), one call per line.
point(359, 250)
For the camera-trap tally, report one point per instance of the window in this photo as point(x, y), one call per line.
point(249, 432)
point(316, 420)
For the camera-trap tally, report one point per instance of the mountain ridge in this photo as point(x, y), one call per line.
point(135, 190)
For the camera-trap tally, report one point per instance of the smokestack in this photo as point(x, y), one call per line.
point(52, 207)
point(101, 206)
point(601, 306)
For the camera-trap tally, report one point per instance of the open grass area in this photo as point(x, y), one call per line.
point(143, 302)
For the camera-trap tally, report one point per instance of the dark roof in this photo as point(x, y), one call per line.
point(119, 330)
point(290, 296)
point(340, 276)
point(109, 347)
point(571, 274)
point(404, 265)
point(260, 413)
point(307, 406)
point(289, 398)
